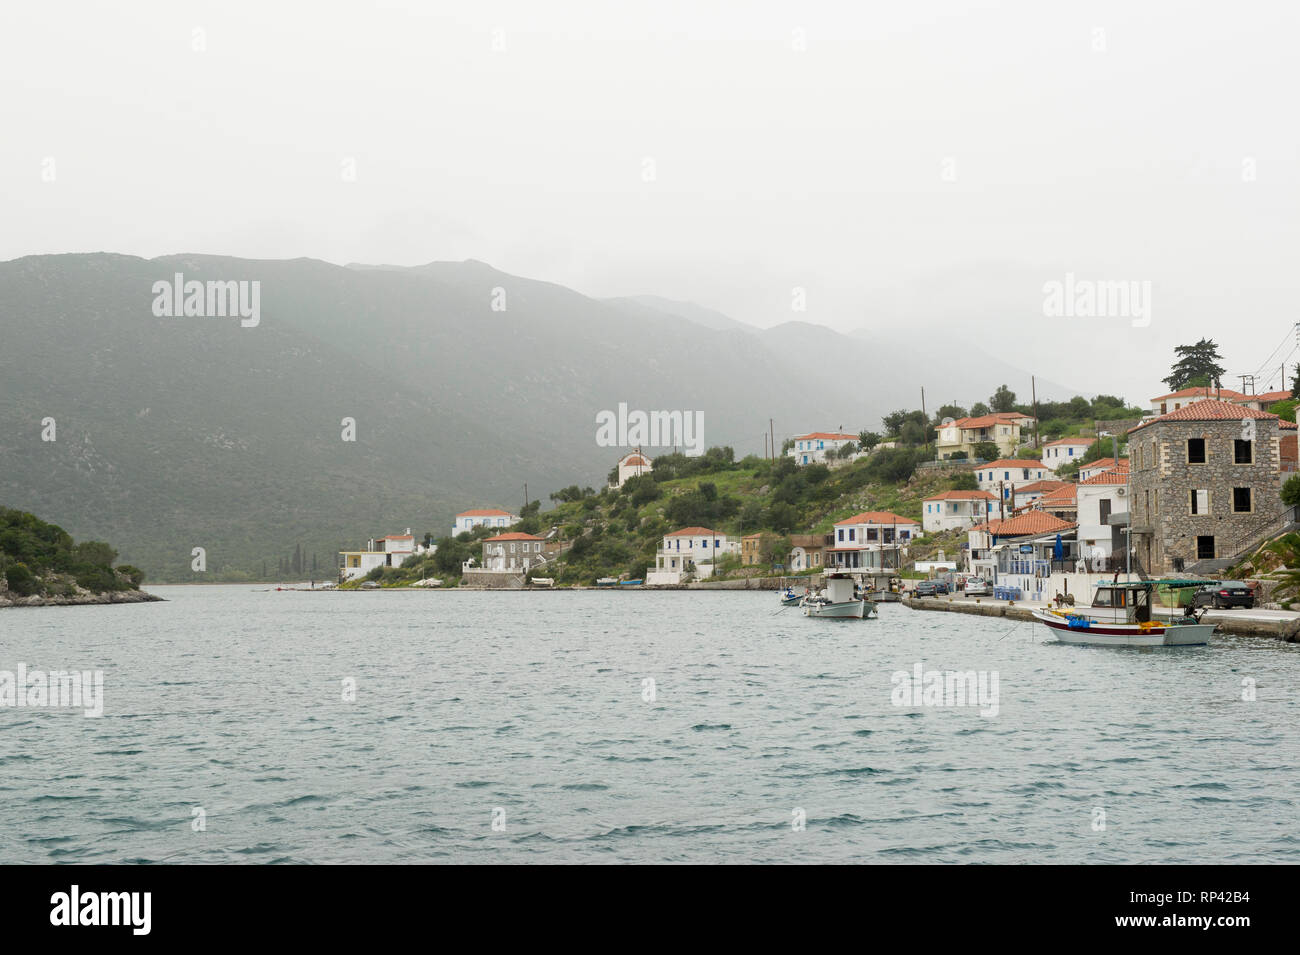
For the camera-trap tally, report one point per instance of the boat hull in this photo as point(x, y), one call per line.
point(1103, 634)
point(848, 609)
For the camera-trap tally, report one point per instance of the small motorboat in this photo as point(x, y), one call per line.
point(790, 598)
point(837, 600)
point(1120, 616)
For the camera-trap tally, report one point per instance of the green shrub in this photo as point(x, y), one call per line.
point(22, 581)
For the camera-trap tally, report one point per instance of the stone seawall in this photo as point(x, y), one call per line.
point(1276, 624)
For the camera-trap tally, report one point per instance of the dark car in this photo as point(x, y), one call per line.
point(1225, 593)
point(930, 588)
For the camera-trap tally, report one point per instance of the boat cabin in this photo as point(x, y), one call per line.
point(1127, 602)
point(1133, 601)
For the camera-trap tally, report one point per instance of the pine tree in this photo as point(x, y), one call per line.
point(1195, 365)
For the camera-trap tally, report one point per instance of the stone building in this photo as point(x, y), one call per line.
point(1203, 485)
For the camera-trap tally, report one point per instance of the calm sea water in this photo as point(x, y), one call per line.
point(529, 708)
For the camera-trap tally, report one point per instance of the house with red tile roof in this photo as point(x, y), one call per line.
point(1023, 544)
point(1163, 404)
point(1102, 514)
point(871, 540)
point(1261, 401)
point(1204, 483)
point(1028, 493)
point(691, 551)
point(489, 516)
point(815, 447)
point(951, 510)
point(1062, 502)
point(1101, 466)
point(1002, 428)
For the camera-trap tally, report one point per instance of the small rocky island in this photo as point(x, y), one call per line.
point(42, 566)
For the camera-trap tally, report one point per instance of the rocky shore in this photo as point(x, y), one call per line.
point(8, 599)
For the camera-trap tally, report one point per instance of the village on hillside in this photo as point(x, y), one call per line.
point(1194, 480)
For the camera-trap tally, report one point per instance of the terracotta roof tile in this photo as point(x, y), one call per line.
point(875, 517)
point(1031, 522)
point(1208, 410)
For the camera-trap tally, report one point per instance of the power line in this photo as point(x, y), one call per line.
point(1271, 361)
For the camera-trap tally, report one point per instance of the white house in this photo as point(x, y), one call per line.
point(468, 520)
point(1100, 497)
point(689, 550)
point(1000, 477)
point(1064, 451)
point(956, 509)
point(633, 464)
point(814, 448)
point(390, 551)
point(872, 539)
point(1101, 466)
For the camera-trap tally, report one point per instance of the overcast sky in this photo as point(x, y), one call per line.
point(918, 166)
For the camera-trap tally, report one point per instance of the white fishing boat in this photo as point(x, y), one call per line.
point(837, 600)
point(1120, 616)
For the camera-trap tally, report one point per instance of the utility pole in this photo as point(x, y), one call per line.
point(772, 437)
point(926, 421)
point(1248, 381)
point(525, 494)
point(1033, 389)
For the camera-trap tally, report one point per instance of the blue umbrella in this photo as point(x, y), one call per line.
point(1058, 549)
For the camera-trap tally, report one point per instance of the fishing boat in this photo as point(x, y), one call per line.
point(837, 600)
point(1120, 616)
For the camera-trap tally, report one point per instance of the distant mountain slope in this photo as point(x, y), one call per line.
point(175, 433)
point(182, 432)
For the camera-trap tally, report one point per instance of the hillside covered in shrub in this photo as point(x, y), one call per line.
point(38, 559)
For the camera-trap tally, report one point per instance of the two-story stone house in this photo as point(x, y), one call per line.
point(1203, 483)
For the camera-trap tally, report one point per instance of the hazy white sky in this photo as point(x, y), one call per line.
point(924, 166)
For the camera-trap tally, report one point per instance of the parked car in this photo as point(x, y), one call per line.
point(1224, 593)
point(930, 588)
point(977, 587)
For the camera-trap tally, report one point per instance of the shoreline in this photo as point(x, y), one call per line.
point(10, 602)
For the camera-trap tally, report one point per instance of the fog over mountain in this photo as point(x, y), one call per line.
point(177, 432)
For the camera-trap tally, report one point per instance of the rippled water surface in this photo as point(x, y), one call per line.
point(528, 708)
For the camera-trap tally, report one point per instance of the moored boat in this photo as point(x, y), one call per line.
point(1121, 616)
point(837, 600)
